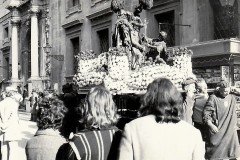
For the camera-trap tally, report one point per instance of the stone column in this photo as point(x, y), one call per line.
point(34, 43)
point(35, 82)
point(14, 48)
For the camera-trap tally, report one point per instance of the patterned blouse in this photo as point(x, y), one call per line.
point(92, 145)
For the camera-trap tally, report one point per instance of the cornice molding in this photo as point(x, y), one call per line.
point(161, 3)
point(72, 23)
point(16, 4)
point(97, 14)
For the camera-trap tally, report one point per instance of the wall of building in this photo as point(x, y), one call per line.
point(94, 15)
point(83, 23)
point(189, 16)
point(205, 20)
point(4, 42)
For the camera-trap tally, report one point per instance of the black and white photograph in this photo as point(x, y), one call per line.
point(120, 79)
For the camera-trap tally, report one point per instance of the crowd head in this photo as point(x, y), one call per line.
point(51, 112)
point(163, 100)
point(201, 86)
point(223, 88)
point(10, 91)
point(189, 84)
point(99, 109)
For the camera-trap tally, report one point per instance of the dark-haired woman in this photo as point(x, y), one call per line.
point(47, 140)
point(160, 133)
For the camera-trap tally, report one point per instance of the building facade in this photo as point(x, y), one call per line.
point(39, 38)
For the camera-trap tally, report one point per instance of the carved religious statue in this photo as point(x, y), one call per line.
point(158, 48)
point(127, 28)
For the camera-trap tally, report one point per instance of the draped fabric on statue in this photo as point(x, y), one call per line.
point(223, 144)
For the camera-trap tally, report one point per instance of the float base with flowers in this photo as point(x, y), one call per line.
point(112, 69)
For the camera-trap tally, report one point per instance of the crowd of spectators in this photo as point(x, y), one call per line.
point(191, 125)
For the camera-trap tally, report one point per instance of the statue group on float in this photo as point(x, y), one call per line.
point(127, 35)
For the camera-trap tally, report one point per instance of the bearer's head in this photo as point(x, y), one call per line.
point(224, 88)
point(201, 86)
point(189, 85)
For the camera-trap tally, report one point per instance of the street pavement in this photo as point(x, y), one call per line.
point(28, 129)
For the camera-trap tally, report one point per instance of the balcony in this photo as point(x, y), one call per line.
point(215, 47)
point(212, 48)
point(213, 53)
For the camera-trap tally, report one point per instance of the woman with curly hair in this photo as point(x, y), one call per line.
point(99, 139)
point(160, 133)
point(47, 140)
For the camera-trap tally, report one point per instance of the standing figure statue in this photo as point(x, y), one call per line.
point(137, 47)
point(123, 27)
point(121, 36)
point(127, 28)
point(126, 32)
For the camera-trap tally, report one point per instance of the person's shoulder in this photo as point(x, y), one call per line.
point(201, 97)
point(34, 142)
point(213, 96)
point(142, 120)
point(188, 127)
point(39, 141)
point(101, 131)
point(6, 101)
point(232, 96)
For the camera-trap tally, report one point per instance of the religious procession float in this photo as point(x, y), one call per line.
point(134, 60)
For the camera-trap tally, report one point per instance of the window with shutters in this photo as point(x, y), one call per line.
point(5, 35)
point(103, 40)
point(166, 23)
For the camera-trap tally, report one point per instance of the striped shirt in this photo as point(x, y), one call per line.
point(95, 145)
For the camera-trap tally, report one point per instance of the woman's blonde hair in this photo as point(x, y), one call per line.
point(99, 110)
